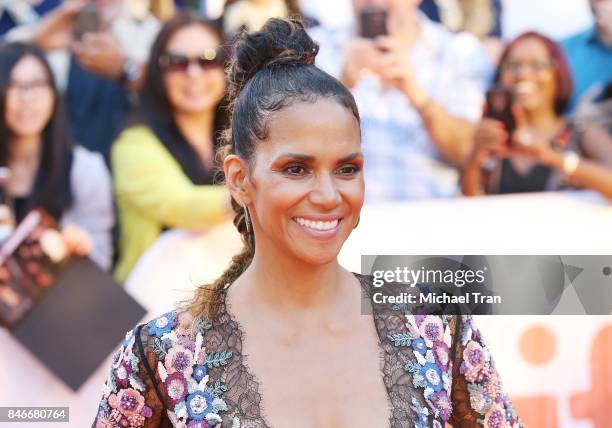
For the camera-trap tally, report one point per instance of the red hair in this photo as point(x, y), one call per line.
point(561, 69)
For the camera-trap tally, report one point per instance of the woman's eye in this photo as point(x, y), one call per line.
point(295, 170)
point(348, 170)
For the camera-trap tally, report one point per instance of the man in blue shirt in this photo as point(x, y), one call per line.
point(589, 53)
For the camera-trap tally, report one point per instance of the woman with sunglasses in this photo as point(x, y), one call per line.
point(280, 339)
point(47, 170)
point(163, 162)
point(541, 150)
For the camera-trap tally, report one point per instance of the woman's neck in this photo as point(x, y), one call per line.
point(543, 121)
point(23, 163)
point(25, 148)
point(289, 286)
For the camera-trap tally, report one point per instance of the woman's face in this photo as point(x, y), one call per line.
point(29, 98)
point(193, 90)
point(530, 70)
point(307, 181)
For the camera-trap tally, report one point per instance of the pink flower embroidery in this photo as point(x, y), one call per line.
point(495, 417)
point(431, 329)
point(128, 402)
point(475, 359)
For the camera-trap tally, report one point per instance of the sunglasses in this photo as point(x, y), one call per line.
point(207, 60)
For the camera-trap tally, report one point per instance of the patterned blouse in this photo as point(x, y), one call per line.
point(179, 372)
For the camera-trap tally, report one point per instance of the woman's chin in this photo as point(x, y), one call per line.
point(317, 256)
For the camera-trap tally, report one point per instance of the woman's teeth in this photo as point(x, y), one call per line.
point(525, 88)
point(316, 225)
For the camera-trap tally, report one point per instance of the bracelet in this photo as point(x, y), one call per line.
point(571, 160)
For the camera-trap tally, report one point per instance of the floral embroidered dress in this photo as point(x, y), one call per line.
point(179, 372)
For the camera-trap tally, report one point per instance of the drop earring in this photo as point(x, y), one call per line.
point(247, 219)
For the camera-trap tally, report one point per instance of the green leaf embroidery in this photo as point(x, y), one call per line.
point(217, 359)
point(400, 339)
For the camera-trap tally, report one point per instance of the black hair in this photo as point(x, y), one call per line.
point(155, 110)
point(52, 189)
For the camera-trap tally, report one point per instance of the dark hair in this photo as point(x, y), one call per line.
point(52, 190)
point(270, 70)
point(561, 69)
point(155, 110)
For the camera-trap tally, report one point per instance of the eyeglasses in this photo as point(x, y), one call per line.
point(535, 66)
point(34, 86)
point(207, 60)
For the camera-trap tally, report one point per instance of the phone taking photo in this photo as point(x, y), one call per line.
point(373, 22)
point(499, 100)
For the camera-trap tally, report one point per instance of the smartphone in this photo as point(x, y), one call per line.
point(373, 22)
point(86, 21)
point(499, 100)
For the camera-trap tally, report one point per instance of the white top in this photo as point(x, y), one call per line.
point(92, 208)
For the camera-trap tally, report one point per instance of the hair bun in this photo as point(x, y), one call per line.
point(280, 41)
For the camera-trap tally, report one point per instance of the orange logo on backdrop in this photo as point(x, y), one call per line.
point(538, 346)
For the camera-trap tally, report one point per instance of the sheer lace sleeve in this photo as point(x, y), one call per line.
point(131, 397)
point(477, 396)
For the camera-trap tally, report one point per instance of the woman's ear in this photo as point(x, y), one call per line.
point(236, 172)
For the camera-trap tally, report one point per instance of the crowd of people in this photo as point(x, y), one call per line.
point(111, 117)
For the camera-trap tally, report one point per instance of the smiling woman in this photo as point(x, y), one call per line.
point(163, 162)
point(294, 168)
point(535, 148)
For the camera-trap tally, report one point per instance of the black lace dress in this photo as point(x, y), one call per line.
point(179, 372)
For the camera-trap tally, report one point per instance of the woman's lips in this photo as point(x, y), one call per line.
point(525, 88)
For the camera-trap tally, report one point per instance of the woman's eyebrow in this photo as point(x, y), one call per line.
point(308, 158)
point(298, 156)
point(351, 157)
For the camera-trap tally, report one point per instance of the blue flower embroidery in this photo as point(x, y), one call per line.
point(418, 345)
point(162, 324)
point(199, 372)
point(199, 404)
point(433, 376)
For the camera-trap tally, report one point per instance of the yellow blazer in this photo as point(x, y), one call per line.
point(153, 193)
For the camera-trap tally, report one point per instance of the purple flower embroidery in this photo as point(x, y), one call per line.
point(474, 361)
point(495, 417)
point(431, 329)
point(128, 402)
point(179, 359)
point(122, 375)
point(443, 404)
point(176, 387)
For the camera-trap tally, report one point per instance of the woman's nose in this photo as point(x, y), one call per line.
point(325, 193)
